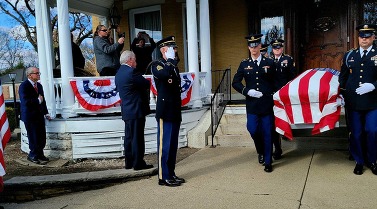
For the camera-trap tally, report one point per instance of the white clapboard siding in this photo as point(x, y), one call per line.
point(102, 136)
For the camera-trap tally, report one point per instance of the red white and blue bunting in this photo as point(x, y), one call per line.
point(94, 94)
point(187, 80)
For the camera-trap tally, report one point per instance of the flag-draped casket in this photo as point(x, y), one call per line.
point(310, 98)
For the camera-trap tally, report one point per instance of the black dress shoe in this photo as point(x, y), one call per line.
point(260, 159)
point(358, 169)
point(168, 182)
point(268, 168)
point(373, 168)
point(146, 166)
point(277, 155)
point(43, 158)
point(179, 180)
point(33, 160)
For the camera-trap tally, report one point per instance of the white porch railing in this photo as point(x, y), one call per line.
point(78, 109)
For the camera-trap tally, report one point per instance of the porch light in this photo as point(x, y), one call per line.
point(114, 17)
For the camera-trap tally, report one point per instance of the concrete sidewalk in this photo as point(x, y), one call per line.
point(314, 173)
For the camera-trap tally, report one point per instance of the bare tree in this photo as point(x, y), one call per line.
point(23, 12)
point(11, 49)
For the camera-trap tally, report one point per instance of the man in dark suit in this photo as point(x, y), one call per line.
point(258, 73)
point(168, 111)
point(133, 90)
point(33, 114)
point(358, 82)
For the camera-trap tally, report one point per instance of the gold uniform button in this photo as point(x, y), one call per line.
point(257, 78)
point(257, 83)
point(258, 89)
point(361, 71)
point(361, 76)
point(360, 83)
point(256, 72)
point(362, 64)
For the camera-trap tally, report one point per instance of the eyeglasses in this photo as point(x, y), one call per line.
point(104, 30)
point(36, 73)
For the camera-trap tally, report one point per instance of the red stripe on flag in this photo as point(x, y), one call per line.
point(303, 92)
point(286, 101)
point(5, 135)
point(286, 127)
point(324, 89)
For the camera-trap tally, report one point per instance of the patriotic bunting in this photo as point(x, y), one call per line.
point(95, 94)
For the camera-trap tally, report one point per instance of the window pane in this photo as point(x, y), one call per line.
point(370, 13)
point(272, 28)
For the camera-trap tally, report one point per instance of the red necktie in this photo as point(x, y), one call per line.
point(35, 87)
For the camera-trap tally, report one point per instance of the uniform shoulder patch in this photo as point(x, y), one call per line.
point(159, 67)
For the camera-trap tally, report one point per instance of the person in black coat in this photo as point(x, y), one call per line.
point(33, 114)
point(133, 90)
point(258, 74)
point(168, 111)
point(143, 52)
point(358, 82)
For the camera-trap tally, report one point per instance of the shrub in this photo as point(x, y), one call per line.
point(11, 118)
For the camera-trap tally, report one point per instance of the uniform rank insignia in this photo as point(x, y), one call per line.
point(248, 68)
point(284, 63)
point(374, 59)
point(159, 67)
point(266, 68)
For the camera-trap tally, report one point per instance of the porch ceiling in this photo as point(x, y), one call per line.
point(101, 7)
point(93, 7)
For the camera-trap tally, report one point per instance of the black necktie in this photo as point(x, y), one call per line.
point(256, 62)
point(364, 54)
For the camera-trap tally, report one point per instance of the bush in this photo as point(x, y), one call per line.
point(11, 118)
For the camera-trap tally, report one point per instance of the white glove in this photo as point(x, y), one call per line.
point(254, 93)
point(340, 100)
point(170, 54)
point(365, 88)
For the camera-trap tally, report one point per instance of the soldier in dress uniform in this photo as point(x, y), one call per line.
point(358, 82)
point(258, 74)
point(285, 72)
point(168, 111)
point(264, 50)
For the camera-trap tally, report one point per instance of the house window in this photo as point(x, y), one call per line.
point(147, 19)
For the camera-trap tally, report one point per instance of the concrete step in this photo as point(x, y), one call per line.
point(232, 129)
point(233, 119)
point(233, 140)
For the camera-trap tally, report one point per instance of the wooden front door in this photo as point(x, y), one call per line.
point(323, 34)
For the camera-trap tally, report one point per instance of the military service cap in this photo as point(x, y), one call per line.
point(254, 40)
point(264, 48)
point(168, 41)
point(366, 30)
point(277, 43)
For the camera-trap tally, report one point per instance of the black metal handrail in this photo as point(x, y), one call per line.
point(221, 97)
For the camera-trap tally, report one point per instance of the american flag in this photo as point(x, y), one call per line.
point(310, 98)
point(5, 135)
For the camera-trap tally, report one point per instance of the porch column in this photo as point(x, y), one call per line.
point(45, 56)
point(192, 40)
point(205, 44)
point(66, 64)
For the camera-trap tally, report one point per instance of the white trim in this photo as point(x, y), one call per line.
point(132, 13)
